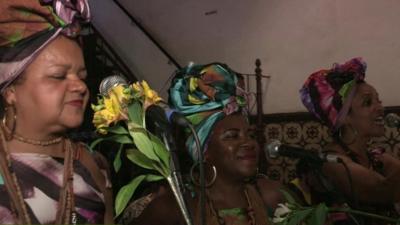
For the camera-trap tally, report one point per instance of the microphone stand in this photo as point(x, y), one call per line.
point(175, 178)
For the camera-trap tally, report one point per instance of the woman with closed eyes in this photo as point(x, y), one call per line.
point(45, 178)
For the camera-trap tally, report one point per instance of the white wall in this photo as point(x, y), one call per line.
point(291, 37)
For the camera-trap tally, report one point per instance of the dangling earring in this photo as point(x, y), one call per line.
point(256, 176)
point(355, 134)
point(214, 177)
point(9, 133)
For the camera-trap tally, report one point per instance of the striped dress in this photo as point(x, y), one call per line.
point(40, 178)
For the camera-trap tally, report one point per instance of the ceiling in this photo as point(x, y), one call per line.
point(291, 38)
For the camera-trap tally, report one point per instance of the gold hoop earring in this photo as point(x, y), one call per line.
point(195, 182)
point(355, 134)
point(9, 133)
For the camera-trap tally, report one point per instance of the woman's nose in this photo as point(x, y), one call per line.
point(249, 139)
point(77, 85)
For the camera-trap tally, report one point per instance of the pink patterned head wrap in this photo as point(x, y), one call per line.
point(328, 93)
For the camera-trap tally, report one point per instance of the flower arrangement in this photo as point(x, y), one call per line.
point(292, 213)
point(120, 117)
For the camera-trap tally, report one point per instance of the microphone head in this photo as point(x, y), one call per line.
point(272, 148)
point(392, 120)
point(110, 82)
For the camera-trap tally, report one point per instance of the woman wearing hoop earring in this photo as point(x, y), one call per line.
point(209, 97)
point(46, 178)
point(351, 108)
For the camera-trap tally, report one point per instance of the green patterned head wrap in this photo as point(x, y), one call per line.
point(206, 94)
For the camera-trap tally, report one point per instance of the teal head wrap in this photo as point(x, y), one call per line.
point(206, 94)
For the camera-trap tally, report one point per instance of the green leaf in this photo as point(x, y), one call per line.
point(126, 193)
point(140, 159)
point(153, 177)
point(95, 142)
point(143, 143)
point(117, 129)
point(288, 197)
point(135, 113)
point(122, 139)
point(160, 150)
point(117, 161)
point(318, 216)
point(299, 216)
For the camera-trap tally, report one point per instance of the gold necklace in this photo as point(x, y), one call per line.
point(37, 142)
point(32, 141)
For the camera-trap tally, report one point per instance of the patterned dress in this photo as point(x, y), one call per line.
point(235, 216)
point(40, 178)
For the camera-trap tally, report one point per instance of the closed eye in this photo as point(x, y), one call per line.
point(58, 76)
point(231, 134)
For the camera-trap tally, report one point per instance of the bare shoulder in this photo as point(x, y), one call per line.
point(267, 183)
point(163, 209)
point(270, 191)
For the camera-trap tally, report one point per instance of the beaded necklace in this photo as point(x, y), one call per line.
point(31, 141)
point(65, 213)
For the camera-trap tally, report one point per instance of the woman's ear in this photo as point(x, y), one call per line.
point(9, 95)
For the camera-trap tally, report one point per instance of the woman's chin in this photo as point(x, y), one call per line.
point(73, 124)
point(378, 131)
point(249, 173)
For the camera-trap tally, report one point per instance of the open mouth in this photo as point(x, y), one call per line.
point(379, 121)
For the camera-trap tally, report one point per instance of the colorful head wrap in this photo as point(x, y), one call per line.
point(328, 93)
point(205, 94)
point(27, 26)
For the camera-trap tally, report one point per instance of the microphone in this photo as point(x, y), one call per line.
point(109, 82)
point(275, 149)
point(392, 120)
point(172, 115)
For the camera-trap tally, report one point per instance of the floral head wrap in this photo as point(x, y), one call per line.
point(205, 94)
point(328, 93)
point(27, 26)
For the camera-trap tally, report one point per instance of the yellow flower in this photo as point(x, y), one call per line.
point(145, 93)
point(151, 96)
point(101, 120)
point(113, 107)
point(121, 93)
point(112, 110)
point(136, 87)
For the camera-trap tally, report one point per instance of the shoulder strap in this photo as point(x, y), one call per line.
point(98, 171)
point(17, 204)
point(257, 204)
